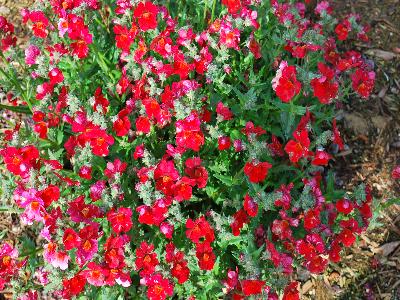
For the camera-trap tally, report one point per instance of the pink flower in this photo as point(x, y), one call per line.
point(31, 53)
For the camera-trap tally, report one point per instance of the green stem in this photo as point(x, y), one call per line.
point(205, 12)
point(14, 79)
point(213, 10)
point(10, 210)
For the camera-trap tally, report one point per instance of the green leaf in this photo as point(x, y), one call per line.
point(19, 109)
point(225, 179)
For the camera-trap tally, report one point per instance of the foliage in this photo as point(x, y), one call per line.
point(177, 147)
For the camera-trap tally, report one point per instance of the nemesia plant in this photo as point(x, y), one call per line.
point(177, 149)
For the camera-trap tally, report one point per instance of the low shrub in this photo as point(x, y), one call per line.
point(177, 148)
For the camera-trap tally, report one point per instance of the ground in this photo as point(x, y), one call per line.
point(371, 269)
point(371, 130)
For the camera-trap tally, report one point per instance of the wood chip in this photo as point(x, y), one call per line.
point(386, 249)
point(385, 55)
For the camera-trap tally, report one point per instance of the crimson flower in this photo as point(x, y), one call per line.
point(188, 132)
point(252, 287)
point(159, 288)
point(298, 148)
point(363, 82)
point(396, 172)
point(121, 220)
point(205, 256)
point(199, 230)
point(324, 87)
point(233, 5)
point(146, 260)
point(285, 83)
point(146, 14)
point(256, 172)
point(196, 171)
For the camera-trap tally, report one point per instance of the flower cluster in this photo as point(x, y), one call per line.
point(179, 154)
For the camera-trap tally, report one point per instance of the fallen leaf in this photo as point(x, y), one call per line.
point(306, 287)
point(387, 249)
point(385, 55)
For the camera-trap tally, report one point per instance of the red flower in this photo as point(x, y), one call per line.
point(298, 148)
point(256, 172)
point(344, 206)
point(146, 260)
point(233, 5)
point(281, 228)
point(224, 143)
point(276, 147)
point(334, 253)
point(114, 251)
point(146, 14)
point(71, 239)
point(89, 244)
point(96, 190)
point(143, 124)
point(224, 111)
point(124, 37)
point(99, 140)
point(121, 220)
point(56, 76)
point(396, 172)
point(347, 237)
point(239, 219)
point(179, 268)
point(285, 83)
point(73, 286)
point(40, 23)
point(165, 176)
point(291, 292)
point(196, 171)
point(336, 136)
point(311, 219)
point(250, 206)
point(231, 280)
point(122, 125)
point(153, 215)
point(342, 30)
point(100, 101)
point(139, 152)
point(19, 161)
point(324, 87)
point(182, 189)
point(95, 275)
point(167, 229)
point(78, 211)
point(279, 259)
point(49, 195)
point(252, 287)
point(250, 130)
point(317, 264)
point(199, 230)
point(254, 47)
point(188, 133)
point(363, 82)
point(205, 256)
point(159, 288)
point(116, 167)
point(321, 158)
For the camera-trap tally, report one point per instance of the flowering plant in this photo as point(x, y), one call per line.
point(172, 149)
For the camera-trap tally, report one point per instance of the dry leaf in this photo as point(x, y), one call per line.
point(387, 249)
point(385, 55)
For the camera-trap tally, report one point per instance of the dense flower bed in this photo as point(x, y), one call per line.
point(176, 153)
